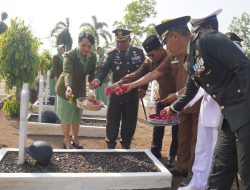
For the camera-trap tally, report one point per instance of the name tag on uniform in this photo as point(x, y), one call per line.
point(174, 62)
point(136, 58)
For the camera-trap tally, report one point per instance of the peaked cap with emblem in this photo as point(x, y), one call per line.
point(234, 37)
point(171, 25)
point(197, 23)
point(121, 34)
point(151, 43)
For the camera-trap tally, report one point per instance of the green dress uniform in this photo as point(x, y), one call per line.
point(75, 69)
point(122, 108)
point(217, 65)
point(57, 68)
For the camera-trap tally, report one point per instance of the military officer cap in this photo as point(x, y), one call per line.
point(151, 43)
point(197, 23)
point(121, 34)
point(171, 25)
point(234, 37)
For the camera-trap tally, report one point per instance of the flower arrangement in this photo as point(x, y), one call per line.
point(118, 91)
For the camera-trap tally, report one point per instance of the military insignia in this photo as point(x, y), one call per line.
point(117, 68)
point(174, 61)
point(199, 67)
point(119, 33)
point(202, 68)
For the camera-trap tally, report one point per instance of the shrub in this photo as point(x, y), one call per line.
point(11, 107)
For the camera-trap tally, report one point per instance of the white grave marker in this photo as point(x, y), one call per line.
point(23, 122)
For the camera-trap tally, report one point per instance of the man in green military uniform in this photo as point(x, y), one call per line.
point(217, 65)
point(122, 109)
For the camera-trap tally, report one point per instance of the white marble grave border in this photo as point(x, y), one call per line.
point(36, 128)
point(87, 181)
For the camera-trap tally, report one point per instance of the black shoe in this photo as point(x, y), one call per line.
point(156, 154)
point(76, 145)
point(170, 162)
point(185, 181)
point(176, 173)
point(111, 145)
point(125, 147)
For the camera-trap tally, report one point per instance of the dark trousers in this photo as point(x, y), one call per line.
point(122, 114)
point(232, 154)
point(158, 134)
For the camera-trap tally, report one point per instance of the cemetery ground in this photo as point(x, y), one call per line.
point(9, 133)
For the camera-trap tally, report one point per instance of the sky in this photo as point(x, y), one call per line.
point(42, 15)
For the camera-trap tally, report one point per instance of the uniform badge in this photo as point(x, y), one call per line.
point(119, 33)
point(117, 68)
point(199, 67)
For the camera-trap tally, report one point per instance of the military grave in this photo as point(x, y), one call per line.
point(79, 169)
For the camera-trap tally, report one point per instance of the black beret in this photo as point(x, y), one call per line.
point(170, 25)
point(234, 37)
point(151, 43)
point(121, 34)
point(196, 23)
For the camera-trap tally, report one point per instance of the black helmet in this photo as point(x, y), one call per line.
point(52, 100)
point(49, 117)
point(40, 151)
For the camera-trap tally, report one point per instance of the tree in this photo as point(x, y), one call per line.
point(18, 55)
point(3, 26)
point(97, 30)
point(241, 26)
point(62, 34)
point(44, 62)
point(136, 14)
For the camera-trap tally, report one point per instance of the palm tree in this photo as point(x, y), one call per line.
point(3, 26)
point(62, 35)
point(96, 28)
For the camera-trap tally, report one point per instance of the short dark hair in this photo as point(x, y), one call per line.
point(87, 35)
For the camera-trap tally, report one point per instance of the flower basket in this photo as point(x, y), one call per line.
point(89, 103)
point(157, 120)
